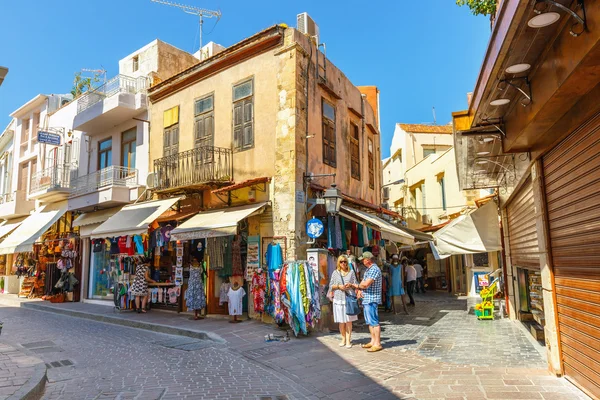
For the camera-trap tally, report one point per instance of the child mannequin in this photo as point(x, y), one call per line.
point(235, 297)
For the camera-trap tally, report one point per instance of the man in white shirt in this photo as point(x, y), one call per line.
point(420, 281)
point(410, 279)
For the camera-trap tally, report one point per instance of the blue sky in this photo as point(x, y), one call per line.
point(419, 53)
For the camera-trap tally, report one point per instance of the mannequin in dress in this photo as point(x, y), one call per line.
point(235, 296)
point(195, 296)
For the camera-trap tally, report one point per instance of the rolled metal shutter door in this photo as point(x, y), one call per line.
point(522, 231)
point(572, 189)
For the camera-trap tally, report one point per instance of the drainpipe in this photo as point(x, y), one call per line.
point(307, 95)
point(362, 112)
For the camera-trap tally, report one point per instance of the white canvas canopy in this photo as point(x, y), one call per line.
point(477, 232)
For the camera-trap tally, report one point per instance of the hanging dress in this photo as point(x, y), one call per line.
point(195, 296)
point(140, 285)
point(237, 268)
point(259, 288)
point(396, 288)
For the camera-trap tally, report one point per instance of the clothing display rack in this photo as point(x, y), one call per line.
point(282, 240)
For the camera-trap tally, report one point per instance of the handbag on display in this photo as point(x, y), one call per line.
point(351, 302)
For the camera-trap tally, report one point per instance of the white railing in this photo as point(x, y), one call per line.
point(110, 176)
point(56, 177)
point(118, 84)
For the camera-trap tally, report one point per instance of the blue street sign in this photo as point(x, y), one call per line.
point(48, 138)
point(314, 228)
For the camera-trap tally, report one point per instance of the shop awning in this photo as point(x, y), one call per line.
point(32, 228)
point(96, 217)
point(133, 219)
point(8, 226)
point(477, 232)
point(388, 231)
point(214, 223)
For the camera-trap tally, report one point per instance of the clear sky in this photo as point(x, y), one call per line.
point(420, 54)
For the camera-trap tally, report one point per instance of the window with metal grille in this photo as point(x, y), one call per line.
point(371, 165)
point(204, 122)
point(355, 152)
point(328, 118)
point(243, 116)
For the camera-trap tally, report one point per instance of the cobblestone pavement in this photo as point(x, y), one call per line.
point(437, 352)
point(16, 368)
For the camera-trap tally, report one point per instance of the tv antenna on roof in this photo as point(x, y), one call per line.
point(200, 12)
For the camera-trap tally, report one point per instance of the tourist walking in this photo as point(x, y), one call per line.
point(420, 280)
point(411, 280)
point(370, 288)
point(341, 277)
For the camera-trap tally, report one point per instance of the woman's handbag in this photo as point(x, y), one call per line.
point(351, 302)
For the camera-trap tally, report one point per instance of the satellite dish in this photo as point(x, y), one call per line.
point(151, 180)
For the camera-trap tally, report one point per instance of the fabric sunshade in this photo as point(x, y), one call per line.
point(9, 226)
point(95, 217)
point(388, 231)
point(133, 219)
point(477, 232)
point(32, 228)
point(214, 223)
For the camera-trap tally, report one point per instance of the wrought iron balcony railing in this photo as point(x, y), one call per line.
point(118, 84)
point(195, 167)
point(110, 176)
point(56, 177)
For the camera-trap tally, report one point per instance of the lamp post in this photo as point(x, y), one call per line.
point(333, 199)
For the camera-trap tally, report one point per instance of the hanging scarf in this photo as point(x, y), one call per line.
point(343, 232)
point(338, 233)
point(330, 232)
point(354, 235)
point(361, 238)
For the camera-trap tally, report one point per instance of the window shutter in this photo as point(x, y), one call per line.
point(208, 127)
point(237, 125)
point(248, 128)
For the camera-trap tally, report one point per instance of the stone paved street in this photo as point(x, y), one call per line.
point(17, 367)
point(437, 352)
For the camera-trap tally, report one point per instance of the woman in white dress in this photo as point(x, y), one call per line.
point(340, 277)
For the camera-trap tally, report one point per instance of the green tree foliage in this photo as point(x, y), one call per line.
point(83, 84)
point(479, 7)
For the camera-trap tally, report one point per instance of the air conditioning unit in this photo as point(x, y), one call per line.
point(151, 180)
point(427, 219)
point(306, 25)
point(386, 193)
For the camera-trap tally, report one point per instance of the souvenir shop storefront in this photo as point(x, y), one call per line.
point(43, 255)
point(133, 235)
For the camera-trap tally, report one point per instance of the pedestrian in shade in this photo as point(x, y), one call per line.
point(411, 280)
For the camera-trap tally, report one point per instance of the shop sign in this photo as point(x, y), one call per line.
point(314, 228)
point(299, 196)
point(48, 138)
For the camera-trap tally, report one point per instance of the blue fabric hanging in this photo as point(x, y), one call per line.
point(274, 256)
point(330, 232)
point(361, 238)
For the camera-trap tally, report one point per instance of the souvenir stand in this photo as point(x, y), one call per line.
point(130, 237)
point(219, 239)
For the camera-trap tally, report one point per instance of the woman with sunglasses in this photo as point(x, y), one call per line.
point(339, 278)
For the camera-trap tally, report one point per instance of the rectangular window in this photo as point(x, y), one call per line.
point(355, 152)
point(328, 120)
point(428, 152)
point(128, 148)
point(136, 63)
point(423, 199)
point(23, 176)
point(204, 122)
point(243, 116)
point(171, 132)
point(33, 171)
point(25, 130)
point(371, 165)
point(104, 154)
point(442, 182)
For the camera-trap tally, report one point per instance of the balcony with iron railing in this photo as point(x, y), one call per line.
point(107, 177)
point(117, 100)
point(52, 183)
point(109, 186)
point(193, 169)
